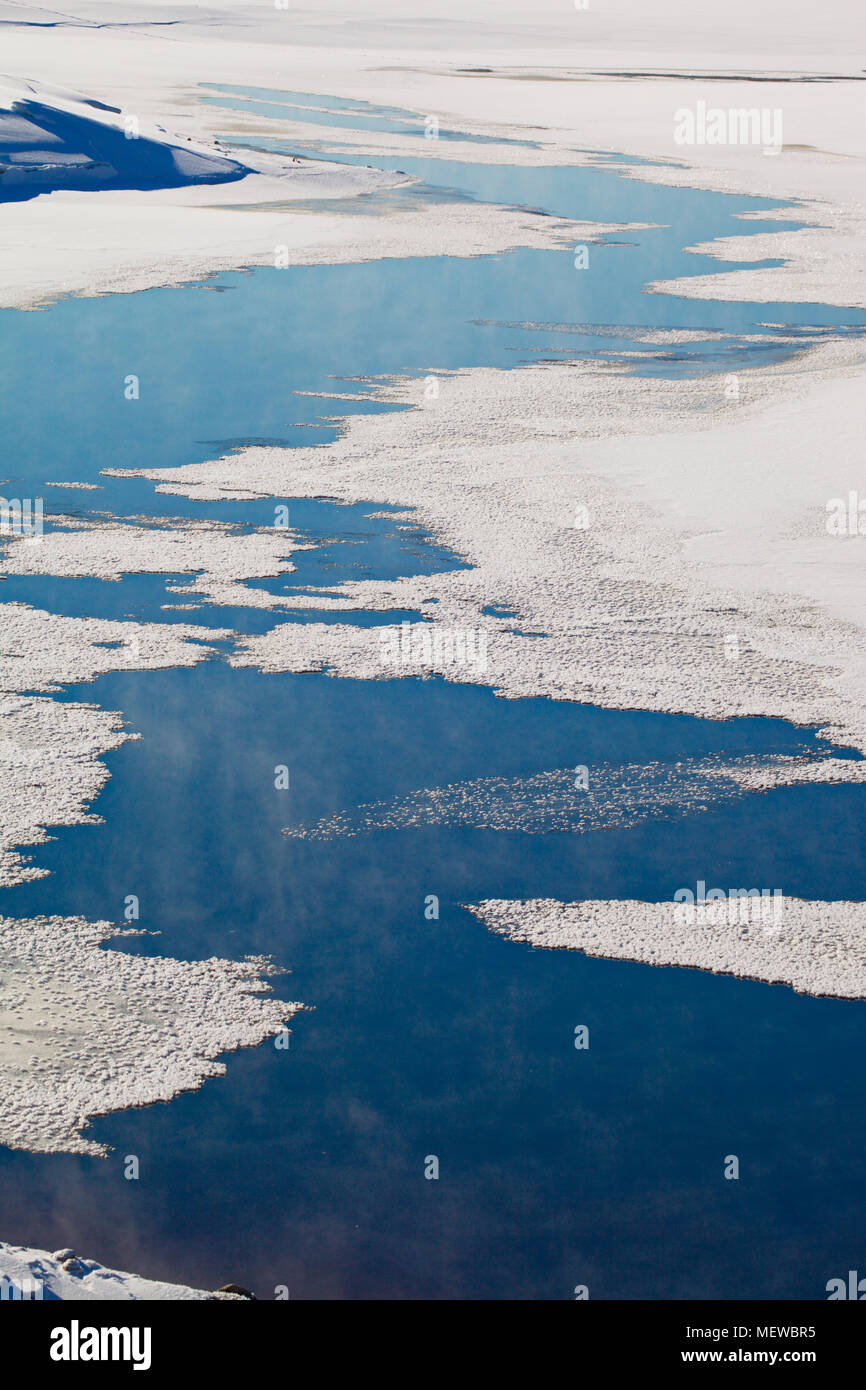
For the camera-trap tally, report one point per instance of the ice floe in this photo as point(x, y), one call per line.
point(85, 1031)
point(815, 947)
point(583, 798)
point(220, 556)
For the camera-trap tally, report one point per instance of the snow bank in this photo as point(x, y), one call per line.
point(70, 142)
point(570, 82)
point(35, 1274)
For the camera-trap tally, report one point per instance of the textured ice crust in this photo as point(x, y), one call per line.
point(578, 800)
point(815, 947)
point(50, 771)
point(220, 556)
point(658, 545)
point(86, 1031)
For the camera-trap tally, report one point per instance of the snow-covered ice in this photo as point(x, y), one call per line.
point(35, 1274)
point(815, 947)
point(86, 1031)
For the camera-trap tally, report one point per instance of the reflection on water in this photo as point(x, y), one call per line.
point(306, 1167)
point(436, 1037)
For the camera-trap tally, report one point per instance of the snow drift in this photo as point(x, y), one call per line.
point(50, 140)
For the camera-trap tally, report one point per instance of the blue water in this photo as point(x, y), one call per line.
point(337, 113)
point(558, 1167)
point(305, 1167)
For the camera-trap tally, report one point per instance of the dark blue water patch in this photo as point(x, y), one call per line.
point(347, 742)
point(566, 1169)
point(558, 1167)
point(137, 597)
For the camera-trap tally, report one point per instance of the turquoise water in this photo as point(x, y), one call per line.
point(306, 1168)
point(340, 113)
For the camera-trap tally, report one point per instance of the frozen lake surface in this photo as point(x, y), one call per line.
point(305, 1167)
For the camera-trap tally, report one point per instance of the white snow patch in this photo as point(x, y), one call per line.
point(66, 1276)
point(51, 140)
